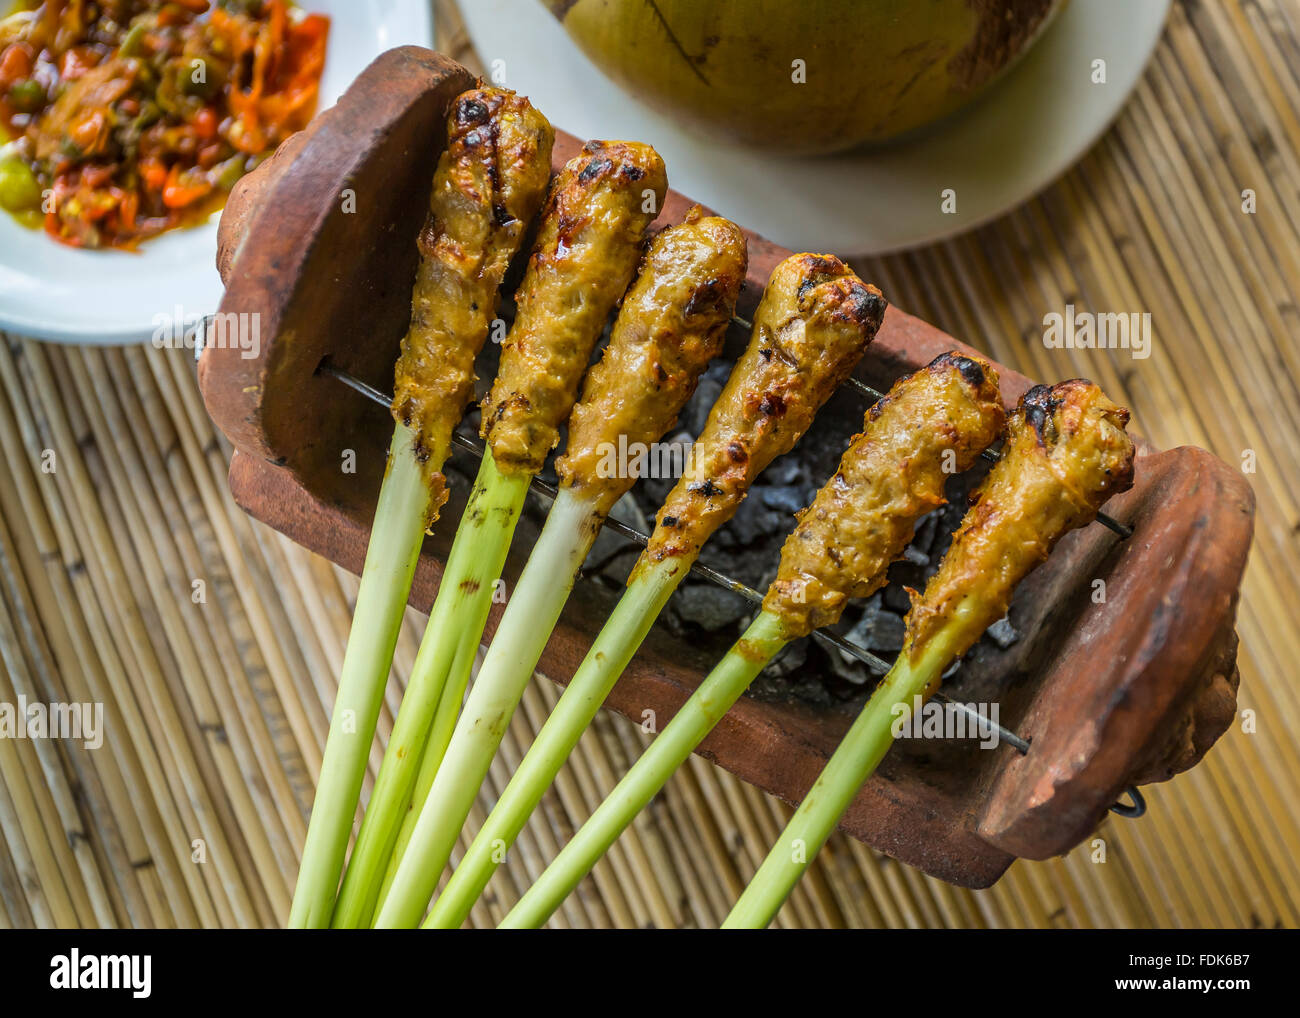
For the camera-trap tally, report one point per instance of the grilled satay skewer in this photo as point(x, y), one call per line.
point(931, 424)
point(1066, 455)
point(813, 323)
point(671, 324)
point(587, 251)
point(489, 183)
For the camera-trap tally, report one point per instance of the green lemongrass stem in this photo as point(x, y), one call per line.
point(395, 540)
point(609, 655)
point(529, 618)
point(444, 722)
point(857, 756)
point(455, 627)
point(762, 641)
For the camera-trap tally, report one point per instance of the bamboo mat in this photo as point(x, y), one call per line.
point(128, 578)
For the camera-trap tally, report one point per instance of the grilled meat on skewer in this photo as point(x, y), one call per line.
point(490, 181)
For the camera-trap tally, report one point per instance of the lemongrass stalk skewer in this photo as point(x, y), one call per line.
point(1066, 454)
point(587, 249)
point(930, 424)
point(489, 183)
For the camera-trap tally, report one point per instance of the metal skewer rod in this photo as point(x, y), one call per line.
point(877, 664)
point(1109, 522)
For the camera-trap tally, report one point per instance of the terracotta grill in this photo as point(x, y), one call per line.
point(319, 242)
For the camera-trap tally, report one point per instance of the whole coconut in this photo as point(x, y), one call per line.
point(805, 75)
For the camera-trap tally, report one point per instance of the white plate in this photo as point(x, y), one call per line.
point(55, 292)
point(1005, 148)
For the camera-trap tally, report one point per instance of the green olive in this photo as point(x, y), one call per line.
point(131, 42)
point(27, 96)
point(228, 172)
point(19, 189)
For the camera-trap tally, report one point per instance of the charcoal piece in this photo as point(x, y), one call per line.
point(1003, 633)
point(878, 630)
point(610, 543)
point(753, 522)
point(618, 567)
point(709, 607)
point(790, 660)
point(927, 534)
point(697, 408)
point(812, 690)
point(846, 666)
point(916, 556)
point(896, 599)
point(788, 470)
point(786, 498)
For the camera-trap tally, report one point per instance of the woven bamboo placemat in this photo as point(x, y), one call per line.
point(128, 578)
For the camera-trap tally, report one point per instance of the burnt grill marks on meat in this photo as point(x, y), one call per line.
point(587, 250)
point(658, 349)
point(970, 369)
point(863, 304)
point(707, 296)
point(889, 477)
point(1041, 403)
point(471, 111)
point(1066, 453)
point(1038, 405)
point(811, 327)
point(490, 180)
point(597, 168)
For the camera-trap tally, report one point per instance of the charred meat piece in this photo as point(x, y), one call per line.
point(1065, 455)
point(932, 424)
point(587, 250)
point(671, 324)
point(490, 181)
point(812, 325)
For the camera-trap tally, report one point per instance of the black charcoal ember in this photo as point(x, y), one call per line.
point(846, 666)
point(878, 630)
point(697, 408)
point(609, 543)
point(916, 556)
point(747, 563)
point(790, 660)
point(787, 470)
point(709, 607)
point(754, 521)
point(896, 599)
point(927, 533)
point(811, 689)
point(1003, 633)
point(617, 567)
point(786, 498)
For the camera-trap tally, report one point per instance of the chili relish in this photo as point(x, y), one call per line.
point(131, 117)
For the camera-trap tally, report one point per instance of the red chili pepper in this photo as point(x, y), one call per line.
point(177, 193)
point(205, 123)
point(15, 64)
point(76, 62)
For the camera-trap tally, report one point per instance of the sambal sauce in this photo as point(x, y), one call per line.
point(126, 118)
